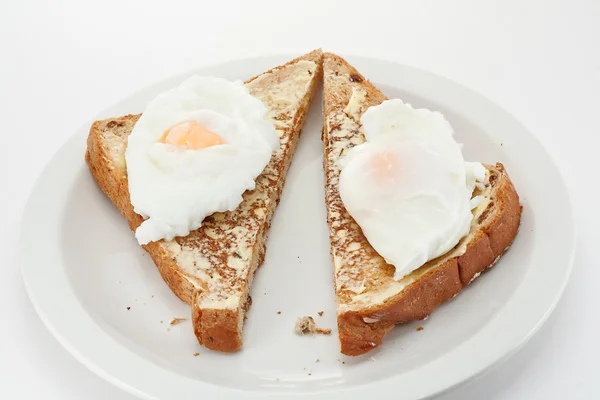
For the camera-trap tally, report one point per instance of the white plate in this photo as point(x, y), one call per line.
point(83, 270)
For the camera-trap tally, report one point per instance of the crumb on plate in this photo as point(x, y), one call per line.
point(307, 325)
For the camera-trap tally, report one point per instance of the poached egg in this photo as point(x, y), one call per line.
point(408, 186)
point(194, 151)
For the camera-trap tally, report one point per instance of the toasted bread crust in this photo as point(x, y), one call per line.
point(436, 282)
point(218, 329)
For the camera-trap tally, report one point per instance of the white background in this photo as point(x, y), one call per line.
point(62, 62)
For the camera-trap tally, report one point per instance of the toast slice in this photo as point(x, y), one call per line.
point(213, 267)
point(369, 301)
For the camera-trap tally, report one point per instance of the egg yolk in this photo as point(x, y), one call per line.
point(191, 136)
point(382, 167)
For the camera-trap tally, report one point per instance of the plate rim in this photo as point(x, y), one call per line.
point(83, 355)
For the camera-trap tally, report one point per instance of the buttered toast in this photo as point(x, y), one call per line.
point(213, 267)
point(369, 301)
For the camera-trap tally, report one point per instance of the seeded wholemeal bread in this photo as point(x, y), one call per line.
point(369, 301)
point(213, 267)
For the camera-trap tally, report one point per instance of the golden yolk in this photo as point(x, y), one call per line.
point(191, 136)
point(382, 167)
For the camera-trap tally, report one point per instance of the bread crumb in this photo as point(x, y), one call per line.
point(307, 325)
point(168, 329)
point(196, 354)
point(129, 308)
point(152, 296)
point(177, 321)
point(161, 321)
point(278, 312)
point(372, 359)
point(320, 313)
point(317, 360)
point(310, 373)
point(420, 328)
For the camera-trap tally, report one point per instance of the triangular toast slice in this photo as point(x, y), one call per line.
point(369, 301)
point(212, 268)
